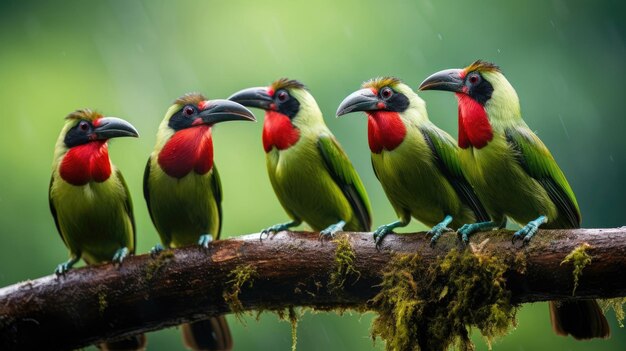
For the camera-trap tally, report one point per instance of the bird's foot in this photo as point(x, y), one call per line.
point(467, 230)
point(65, 266)
point(120, 255)
point(277, 228)
point(205, 240)
point(437, 231)
point(156, 250)
point(332, 230)
point(529, 230)
point(381, 232)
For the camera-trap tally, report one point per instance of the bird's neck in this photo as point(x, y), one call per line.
point(474, 127)
point(278, 131)
point(85, 163)
point(187, 150)
point(385, 130)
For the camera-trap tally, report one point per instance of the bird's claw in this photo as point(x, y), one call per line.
point(156, 250)
point(204, 241)
point(120, 255)
point(526, 233)
point(436, 232)
point(380, 233)
point(274, 229)
point(62, 269)
point(330, 231)
point(464, 233)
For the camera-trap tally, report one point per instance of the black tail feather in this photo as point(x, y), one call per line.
point(580, 319)
point(211, 334)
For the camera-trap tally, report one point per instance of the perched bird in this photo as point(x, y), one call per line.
point(416, 162)
point(514, 174)
point(309, 171)
point(183, 191)
point(89, 199)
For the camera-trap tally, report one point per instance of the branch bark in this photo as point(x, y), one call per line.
point(95, 303)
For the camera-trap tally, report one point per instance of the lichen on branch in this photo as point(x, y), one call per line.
point(580, 259)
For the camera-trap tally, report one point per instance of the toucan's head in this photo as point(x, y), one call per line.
point(286, 97)
point(193, 110)
point(87, 126)
point(382, 94)
point(483, 83)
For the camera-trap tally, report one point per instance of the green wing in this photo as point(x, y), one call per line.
point(146, 188)
point(53, 210)
point(537, 161)
point(216, 186)
point(445, 151)
point(128, 206)
point(346, 178)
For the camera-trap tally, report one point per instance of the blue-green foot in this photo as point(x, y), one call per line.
point(467, 230)
point(66, 266)
point(332, 230)
point(205, 240)
point(120, 255)
point(529, 229)
point(279, 228)
point(381, 232)
point(156, 249)
point(437, 230)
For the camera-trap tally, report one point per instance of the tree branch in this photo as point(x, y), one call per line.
point(94, 303)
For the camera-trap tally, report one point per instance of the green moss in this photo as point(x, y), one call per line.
point(154, 266)
point(345, 258)
point(432, 307)
point(102, 301)
point(617, 304)
point(579, 258)
point(239, 277)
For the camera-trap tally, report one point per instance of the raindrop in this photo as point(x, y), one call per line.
point(498, 51)
point(440, 36)
point(611, 158)
point(564, 127)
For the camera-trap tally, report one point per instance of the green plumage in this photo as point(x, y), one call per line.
point(183, 209)
point(315, 182)
point(94, 220)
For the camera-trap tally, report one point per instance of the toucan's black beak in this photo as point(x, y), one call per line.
point(220, 110)
point(253, 97)
point(113, 127)
point(447, 80)
point(360, 100)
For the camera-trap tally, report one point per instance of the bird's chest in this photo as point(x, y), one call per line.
point(187, 150)
point(278, 132)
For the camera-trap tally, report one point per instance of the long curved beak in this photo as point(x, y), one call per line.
point(253, 97)
point(113, 127)
point(447, 80)
point(220, 110)
point(360, 100)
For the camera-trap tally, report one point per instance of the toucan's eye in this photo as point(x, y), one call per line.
point(83, 125)
point(282, 95)
point(474, 78)
point(386, 93)
point(188, 111)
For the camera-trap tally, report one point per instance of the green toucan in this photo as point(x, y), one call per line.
point(89, 199)
point(514, 174)
point(416, 162)
point(309, 171)
point(183, 191)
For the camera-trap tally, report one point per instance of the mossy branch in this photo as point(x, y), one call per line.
point(289, 269)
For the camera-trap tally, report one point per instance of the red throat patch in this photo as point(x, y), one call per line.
point(474, 127)
point(385, 130)
point(278, 131)
point(188, 149)
point(85, 163)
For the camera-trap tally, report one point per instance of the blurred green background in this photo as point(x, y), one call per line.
point(133, 58)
